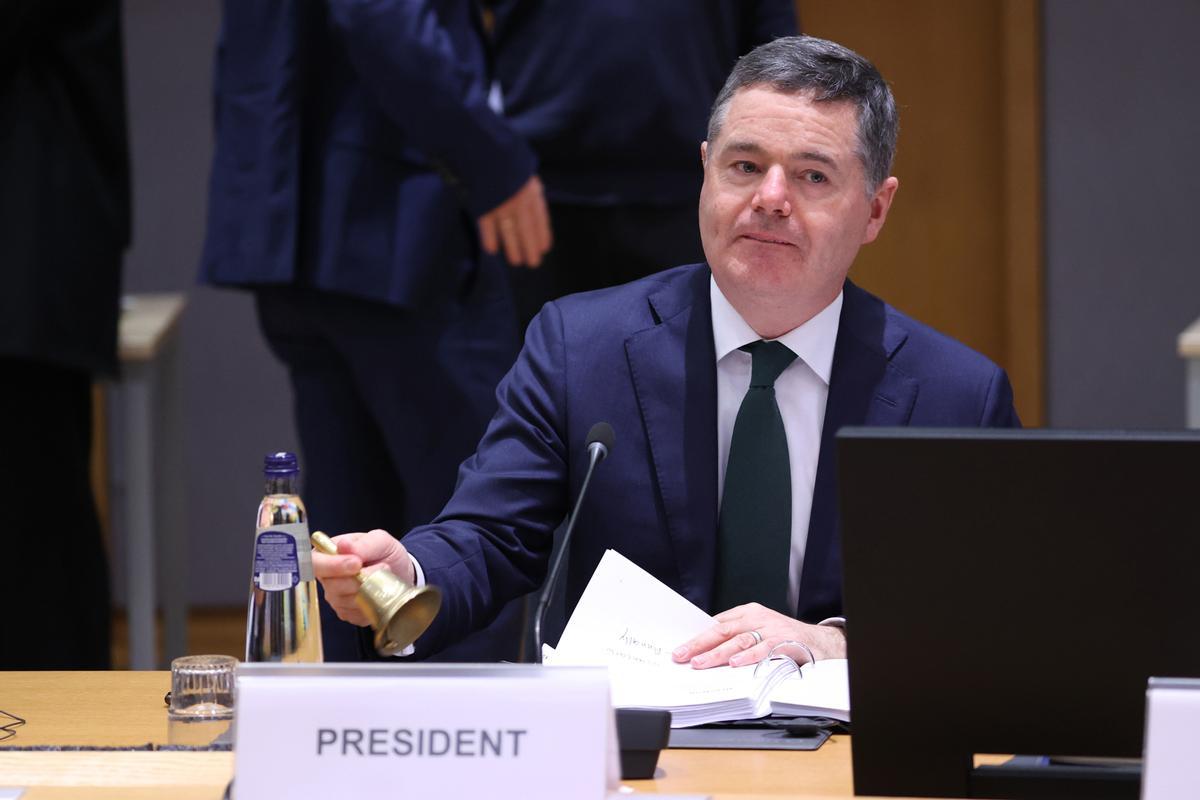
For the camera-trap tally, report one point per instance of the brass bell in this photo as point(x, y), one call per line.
point(398, 612)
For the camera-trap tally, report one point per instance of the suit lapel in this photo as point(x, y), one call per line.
point(673, 364)
point(864, 389)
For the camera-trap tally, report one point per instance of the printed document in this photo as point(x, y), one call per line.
point(630, 621)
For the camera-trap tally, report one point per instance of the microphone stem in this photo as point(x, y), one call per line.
point(552, 576)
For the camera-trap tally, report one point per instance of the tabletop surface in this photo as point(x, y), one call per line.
point(127, 709)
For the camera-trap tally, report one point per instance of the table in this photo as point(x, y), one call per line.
point(101, 708)
point(126, 708)
point(146, 475)
point(1189, 349)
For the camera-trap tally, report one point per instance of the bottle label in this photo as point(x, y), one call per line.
point(282, 556)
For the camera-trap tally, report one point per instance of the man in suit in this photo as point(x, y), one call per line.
point(64, 223)
point(619, 166)
point(360, 184)
point(726, 383)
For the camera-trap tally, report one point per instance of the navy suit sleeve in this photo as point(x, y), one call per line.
point(404, 57)
point(492, 541)
point(998, 410)
point(767, 20)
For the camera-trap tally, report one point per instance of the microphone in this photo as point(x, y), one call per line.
point(599, 442)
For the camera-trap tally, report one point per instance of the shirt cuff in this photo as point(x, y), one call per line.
point(420, 581)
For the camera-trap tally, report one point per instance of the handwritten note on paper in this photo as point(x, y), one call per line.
point(627, 616)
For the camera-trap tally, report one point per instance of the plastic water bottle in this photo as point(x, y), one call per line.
point(282, 621)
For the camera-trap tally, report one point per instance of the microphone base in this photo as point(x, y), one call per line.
point(642, 733)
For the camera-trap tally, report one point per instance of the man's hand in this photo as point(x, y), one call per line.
point(731, 642)
point(521, 224)
point(358, 551)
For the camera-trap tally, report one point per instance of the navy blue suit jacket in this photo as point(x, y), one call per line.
point(354, 148)
point(567, 67)
point(641, 357)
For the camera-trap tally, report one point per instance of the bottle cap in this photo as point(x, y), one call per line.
point(280, 464)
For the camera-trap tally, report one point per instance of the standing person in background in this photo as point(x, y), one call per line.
point(613, 95)
point(359, 182)
point(64, 222)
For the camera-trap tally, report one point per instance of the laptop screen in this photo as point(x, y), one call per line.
point(1012, 592)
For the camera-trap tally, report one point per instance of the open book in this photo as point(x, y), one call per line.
point(630, 621)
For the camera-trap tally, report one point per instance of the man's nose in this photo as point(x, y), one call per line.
point(772, 195)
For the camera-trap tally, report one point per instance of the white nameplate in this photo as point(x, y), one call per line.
point(443, 730)
point(1172, 740)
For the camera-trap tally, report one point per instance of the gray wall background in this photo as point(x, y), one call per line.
point(1122, 170)
point(1122, 133)
point(237, 403)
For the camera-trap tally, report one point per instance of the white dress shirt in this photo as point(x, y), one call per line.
point(801, 392)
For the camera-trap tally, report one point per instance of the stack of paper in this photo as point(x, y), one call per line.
point(630, 621)
point(821, 690)
point(696, 697)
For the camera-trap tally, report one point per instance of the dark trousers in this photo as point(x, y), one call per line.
point(55, 573)
point(388, 403)
point(598, 246)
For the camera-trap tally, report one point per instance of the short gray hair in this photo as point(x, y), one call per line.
point(828, 72)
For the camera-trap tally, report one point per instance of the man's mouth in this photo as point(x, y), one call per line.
point(766, 238)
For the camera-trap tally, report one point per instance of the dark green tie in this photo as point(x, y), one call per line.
point(754, 532)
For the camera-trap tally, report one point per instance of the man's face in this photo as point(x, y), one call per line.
point(784, 206)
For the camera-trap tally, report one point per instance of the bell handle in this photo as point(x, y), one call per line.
point(320, 541)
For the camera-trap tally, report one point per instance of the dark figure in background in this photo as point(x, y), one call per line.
point(613, 95)
point(359, 180)
point(64, 222)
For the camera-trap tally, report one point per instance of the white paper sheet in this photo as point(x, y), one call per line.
point(627, 616)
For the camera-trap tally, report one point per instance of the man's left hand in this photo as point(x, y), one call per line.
point(731, 642)
point(520, 225)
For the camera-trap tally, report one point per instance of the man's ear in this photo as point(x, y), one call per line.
point(703, 153)
point(881, 201)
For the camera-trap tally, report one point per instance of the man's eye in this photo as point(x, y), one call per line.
point(746, 167)
point(812, 176)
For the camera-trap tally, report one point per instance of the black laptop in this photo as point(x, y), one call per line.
point(1011, 592)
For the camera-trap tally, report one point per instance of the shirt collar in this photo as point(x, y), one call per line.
point(812, 341)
